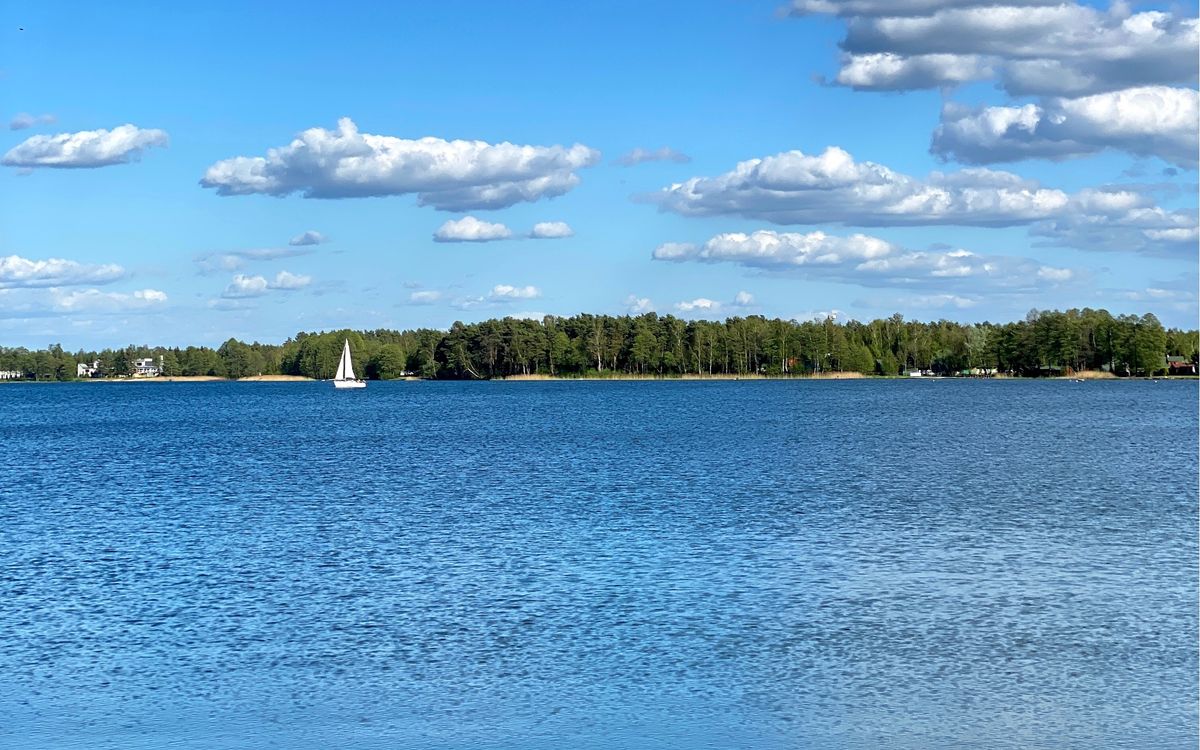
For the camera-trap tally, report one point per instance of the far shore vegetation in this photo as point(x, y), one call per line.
point(1087, 343)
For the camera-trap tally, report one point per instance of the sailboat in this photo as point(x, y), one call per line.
point(345, 372)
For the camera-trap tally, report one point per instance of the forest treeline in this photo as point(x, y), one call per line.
point(1047, 342)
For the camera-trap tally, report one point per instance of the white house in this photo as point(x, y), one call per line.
point(147, 367)
point(87, 370)
point(11, 374)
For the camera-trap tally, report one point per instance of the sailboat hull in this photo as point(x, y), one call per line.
point(349, 384)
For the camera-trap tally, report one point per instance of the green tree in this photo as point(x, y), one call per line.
point(387, 363)
point(238, 359)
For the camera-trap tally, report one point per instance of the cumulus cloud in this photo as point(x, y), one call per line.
point(895, 7)
point(311, 237)
point(236, 259)
point(1171, 296)
point(958, 302)
point(797, 188)
point(85, 149)
point(448, 175)
point(17, 272)
point(1148, 121)
point(704, 307)
point(636, 305)
point(24, 120)
point(1033, 47)
point(818, 315)
point(642, 155)
point(289, 281)
point(506, 292)
point(470, 229)
point(426, 297)
point(551, 230)
point(1134, 226)
point(701, 305)
point(468, 302)
point(866, 261)
point(243, 285)
point(96, 301)
point(887, 71)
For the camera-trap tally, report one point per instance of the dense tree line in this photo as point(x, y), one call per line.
point(1044, 343)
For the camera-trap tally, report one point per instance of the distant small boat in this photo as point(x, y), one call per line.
point(345, 371)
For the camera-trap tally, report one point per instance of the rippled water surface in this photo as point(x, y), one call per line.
point(937, 564)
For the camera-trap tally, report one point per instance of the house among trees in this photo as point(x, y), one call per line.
point(11, 375)
point(87, 370)
point(1180, 366)
point(147, 367)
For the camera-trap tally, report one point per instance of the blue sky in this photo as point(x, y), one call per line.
point(847, 120)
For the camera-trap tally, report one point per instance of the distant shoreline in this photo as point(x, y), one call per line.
point(834, 376)
point(198, 379)
point(716, 377)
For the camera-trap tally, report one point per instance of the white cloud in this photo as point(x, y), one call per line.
point(1153, 120)
point(796, 188)
point(506, 292)
point(551, 230)
point(1177, 296)
point(229, 305)
point(674, 251)
point(1108, 77)
point(1049, 273)
point(698, 305)
point(427, 297)
point(1182, 235)
point(288, 281)
point(867, 261)
point(705, 307)
point(894, 7)
point(470, 229)
point(468, 302)
point(636, 305)
point(1048, 48)
point(96, 301)
point(642, 155)
point(150, 295)
point(311, 237)
point(1117, 220)
point(818, 315)
point(1178, 299)
point(888, 71)
point(448, 175)
point(956, 301)
point(18, 272)
point(86, 149)
point(23, 120)
point(237, 259)
point(245, 286)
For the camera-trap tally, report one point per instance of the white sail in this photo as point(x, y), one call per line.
point(345, 370)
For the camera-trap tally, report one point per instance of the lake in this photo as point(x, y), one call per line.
point(651, 565)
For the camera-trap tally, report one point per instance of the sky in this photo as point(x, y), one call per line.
point(180, 174)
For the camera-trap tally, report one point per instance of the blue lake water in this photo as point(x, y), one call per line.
point(501, 566)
